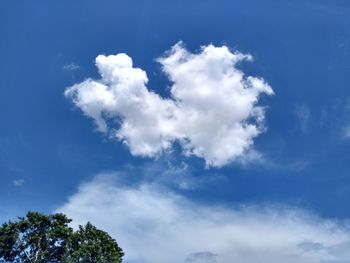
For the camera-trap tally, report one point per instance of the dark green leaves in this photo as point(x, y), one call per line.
point(38, 238)
point(89, 244)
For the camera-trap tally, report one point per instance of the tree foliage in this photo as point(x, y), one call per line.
point(89, 244)
point(39, 238)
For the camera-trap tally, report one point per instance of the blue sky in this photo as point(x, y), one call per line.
point(50, 151)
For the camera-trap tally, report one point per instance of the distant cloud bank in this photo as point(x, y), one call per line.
point(155, 225)
point(212, 111)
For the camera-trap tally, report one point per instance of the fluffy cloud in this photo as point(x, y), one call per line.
point(154, 225)
point(212, 110)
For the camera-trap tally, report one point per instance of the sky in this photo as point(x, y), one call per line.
point(191, 131)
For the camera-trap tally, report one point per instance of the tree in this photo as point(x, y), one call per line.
point(36, 238)
point(88, 244)
point(39, 238)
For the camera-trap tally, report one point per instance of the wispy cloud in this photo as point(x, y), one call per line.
point(202, 257)
point(71, 67)
point(346, 120)
point(212, 111)
point(18, 182)
point(302, 114)
point(155, 225)
point(335, 118)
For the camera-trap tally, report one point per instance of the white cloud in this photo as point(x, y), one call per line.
point(212, 111)
point(154, 225)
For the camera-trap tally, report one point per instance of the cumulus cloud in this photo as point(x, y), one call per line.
point(155, 225)
point(212, 110)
